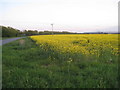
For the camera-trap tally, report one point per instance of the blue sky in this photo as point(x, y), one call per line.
point(67, 15)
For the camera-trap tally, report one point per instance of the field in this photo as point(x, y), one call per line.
point(89, 46)
point(59, 61)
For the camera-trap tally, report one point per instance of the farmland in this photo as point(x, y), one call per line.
point(92, 47)
point(59, 61)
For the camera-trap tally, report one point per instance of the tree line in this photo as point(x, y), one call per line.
point(12, 32)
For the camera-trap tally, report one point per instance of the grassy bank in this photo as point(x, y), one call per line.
point(26, 65)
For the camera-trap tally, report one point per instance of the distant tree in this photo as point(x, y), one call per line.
point(30, 32)
point(10, 32)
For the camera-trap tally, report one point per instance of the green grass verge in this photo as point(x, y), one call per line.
point(29, 66)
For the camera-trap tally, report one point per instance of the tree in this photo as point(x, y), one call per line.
point(9, 32)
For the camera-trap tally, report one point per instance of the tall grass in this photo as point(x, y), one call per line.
point(30, 66)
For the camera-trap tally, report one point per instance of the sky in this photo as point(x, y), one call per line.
point(66, 15)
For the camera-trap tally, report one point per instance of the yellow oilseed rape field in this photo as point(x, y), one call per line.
point(85, 44)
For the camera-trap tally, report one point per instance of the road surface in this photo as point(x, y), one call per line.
point(2, 42)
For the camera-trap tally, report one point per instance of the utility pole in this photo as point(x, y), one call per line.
point(52, 28)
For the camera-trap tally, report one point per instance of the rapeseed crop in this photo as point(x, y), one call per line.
point(94, 45)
